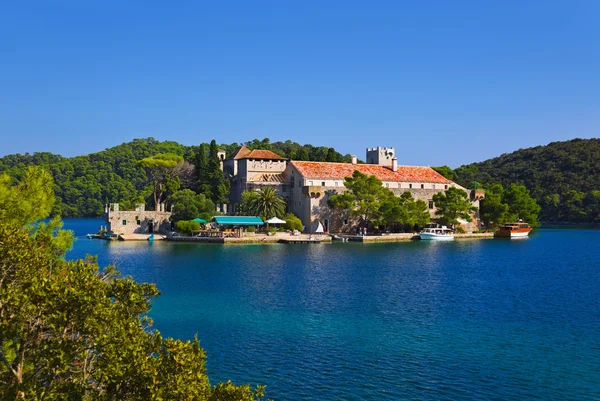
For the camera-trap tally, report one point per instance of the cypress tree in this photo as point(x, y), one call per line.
point(219, 186)
point(203, 171)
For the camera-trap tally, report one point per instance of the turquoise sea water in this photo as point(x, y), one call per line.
point(472, 319)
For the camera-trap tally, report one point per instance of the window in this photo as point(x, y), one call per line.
point(124, 222)
point(345, 221)
point(410, 185)
point(431, 205)
point(322, 183)
point(445, 186)
point(139, 223)
point(422, 186)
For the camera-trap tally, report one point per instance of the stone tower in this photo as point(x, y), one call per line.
point(380, 156)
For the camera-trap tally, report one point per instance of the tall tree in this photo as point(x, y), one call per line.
point(492, 209)
point(521, 205)
point(161, 174)
point(202, 170)
point(453, 204)
point(363, 198)
point(405, 210)
point(219, 186)
point(188, 205)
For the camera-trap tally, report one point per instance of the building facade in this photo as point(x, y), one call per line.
point(249, 170)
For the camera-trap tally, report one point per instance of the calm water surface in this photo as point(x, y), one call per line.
point(472, 319)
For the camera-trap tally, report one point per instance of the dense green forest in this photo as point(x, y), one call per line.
point(84, 184)
point(563, 177)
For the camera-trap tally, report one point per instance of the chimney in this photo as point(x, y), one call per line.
point(394, 164)
point(354, 160)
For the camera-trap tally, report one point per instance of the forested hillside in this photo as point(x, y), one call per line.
point(83, 184)
point(563, 177)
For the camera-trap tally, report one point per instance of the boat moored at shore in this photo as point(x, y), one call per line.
point(442, 233)
point(513, 230)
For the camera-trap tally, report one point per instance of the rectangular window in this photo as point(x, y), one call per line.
point(431, 204)
point(139, 223)
point(422, 186)
point(323, 183)
point(445, 186)
point(410, 185)
point(124, 222)
point(345, 221)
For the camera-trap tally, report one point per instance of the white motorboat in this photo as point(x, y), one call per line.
point(442, 233)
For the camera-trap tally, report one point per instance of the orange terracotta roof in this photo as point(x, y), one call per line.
point(245, 153)
point(262, 154)
point(240, 153)
point(326, 170)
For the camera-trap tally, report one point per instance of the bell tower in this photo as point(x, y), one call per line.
point(380, 156)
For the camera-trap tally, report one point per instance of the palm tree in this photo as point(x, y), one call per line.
point(268, 204)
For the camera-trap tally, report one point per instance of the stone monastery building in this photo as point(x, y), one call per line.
point(306, 186)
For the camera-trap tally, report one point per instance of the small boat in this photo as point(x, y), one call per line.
point(337, 237)
point(442, 233)
point(513, 230)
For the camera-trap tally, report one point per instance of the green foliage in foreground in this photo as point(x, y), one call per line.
point(71, 331)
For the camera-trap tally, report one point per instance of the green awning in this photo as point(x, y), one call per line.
point(199, 220)
point(238, 220)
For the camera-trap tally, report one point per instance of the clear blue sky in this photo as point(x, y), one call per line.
point(444, 82)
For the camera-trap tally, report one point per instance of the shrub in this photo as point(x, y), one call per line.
point(272, 230)
point(187, 226)
point(292, 222)
point(251, 229)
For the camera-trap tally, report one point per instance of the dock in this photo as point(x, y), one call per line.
point(300, 241)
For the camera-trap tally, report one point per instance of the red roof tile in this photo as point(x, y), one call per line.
point(326, 170)
point(263, 154)
point(245, 153)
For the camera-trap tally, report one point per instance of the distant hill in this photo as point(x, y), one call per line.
point(563, 177)
point(83, 184)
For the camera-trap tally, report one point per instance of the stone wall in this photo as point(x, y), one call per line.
point(138, 221)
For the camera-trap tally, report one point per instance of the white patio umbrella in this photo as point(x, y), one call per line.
point(275, 220)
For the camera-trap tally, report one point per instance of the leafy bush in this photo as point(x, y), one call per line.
point(292, 222)
point(251, 229)
point(271, 230)
point(187, 226)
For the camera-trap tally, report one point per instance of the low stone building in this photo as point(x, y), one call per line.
point(138, 221)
